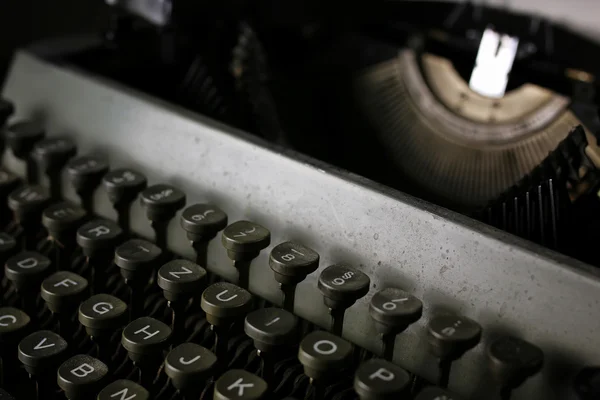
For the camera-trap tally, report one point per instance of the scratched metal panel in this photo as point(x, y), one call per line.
point(450, 262)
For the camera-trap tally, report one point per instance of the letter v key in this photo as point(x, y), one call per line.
point(41, 346)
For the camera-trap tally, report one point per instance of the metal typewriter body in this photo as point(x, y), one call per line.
point(449, 261)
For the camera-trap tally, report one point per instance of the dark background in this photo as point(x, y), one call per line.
point(24, 21)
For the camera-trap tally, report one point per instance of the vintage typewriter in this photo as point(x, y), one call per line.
point(207, 201)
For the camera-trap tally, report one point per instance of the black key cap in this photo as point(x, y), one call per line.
point(223, 303)
point(21, 137)
point(61, 220)
point(8, 247)
point(202, 222)
point(243, 241)
point(137, 259)
point(27, 204)
point(63, 291)
point(52, 154)
point(81, 376)
point(189, 366)
point(85, 174)
point(123, 390)
point(8, 183)
point(41, 352)
point(26, 271)
point(449, 337)
point(512, 361)
point(7, 109)
point(435, 393)
point(587, 383)
point(324, 357)
point(237, 384)
point(341, 286)
point(145, 339)
point(180, 280)
point(381, 380)
point(393, 310)
point(291, 263)
point(123, 186)
point(162, 203)
point(271, 329)
point(101, 315)
point(98, 239)
point(13, 325)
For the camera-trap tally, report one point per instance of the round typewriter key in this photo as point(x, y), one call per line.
point(237, 384)
point(202, 222)
point(63, 291)
point(12, 322)
point(291, 263)
point(587, 383)
point(8, 183)
point(85, 174)
point(243, 241)
point(323, 356)
point(27, 269)
point(271, 329)
point(98, 235)
point(123, 187)
point(40, 351)
point(62, 217)
point(162, 203)
point(8, 247)
point(22, 136)
point(123, 389)
point(145, 339)
point(393, 310)
point(189, 366)
point(81, 376)
point(137, 257)
point(102, 314)
point(98, 239)
point(180, 279)
point(52, 154)
point(223, 303)
point(512, 361)
point(449, 337)
point(435, 393)
point(341, 286)
point(381, 380)
point(28, 202)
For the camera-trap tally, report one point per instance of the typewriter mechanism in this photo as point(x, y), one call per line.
point(310, 200)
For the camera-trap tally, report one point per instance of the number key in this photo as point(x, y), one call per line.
point(202, 222)
point(394, 310)
point(449, 336)
point(292, 262)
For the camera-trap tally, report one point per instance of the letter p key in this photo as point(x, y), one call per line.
point(381, 379)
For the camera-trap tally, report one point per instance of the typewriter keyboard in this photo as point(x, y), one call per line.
point(91, 309)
